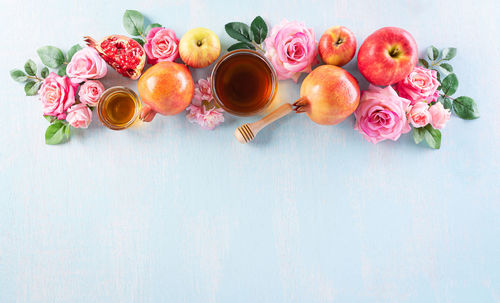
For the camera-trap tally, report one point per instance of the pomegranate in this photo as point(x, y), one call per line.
point(124, 54)
point(328, 95)
point(166, 88)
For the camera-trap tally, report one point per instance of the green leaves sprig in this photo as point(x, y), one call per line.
point(57, 132)
point(52, 57)
point(464, 107)
point(133, 22)
point(428, 133)
point(249, 37)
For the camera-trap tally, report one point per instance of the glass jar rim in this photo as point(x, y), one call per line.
point(274, 79)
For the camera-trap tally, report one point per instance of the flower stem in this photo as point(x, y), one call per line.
point(35, 78)
point(258, 47)
point(436, 63)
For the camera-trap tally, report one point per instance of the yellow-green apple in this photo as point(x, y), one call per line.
point(337, 46)
point(387, 56)
point(328, 95)
point(199, 47)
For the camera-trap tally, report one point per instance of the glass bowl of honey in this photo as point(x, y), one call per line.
point(244, 82)
point(118, 107)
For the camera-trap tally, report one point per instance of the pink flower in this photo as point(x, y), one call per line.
point(161, 45)
point(419, 115)
point(202, 92)
point(90, 92)
point(420, 85)
point(207, 119)
point(291, 49)
point(57, 95)
point(439, 115)
point(86, 64)
point(381, 114)
point(79, 116)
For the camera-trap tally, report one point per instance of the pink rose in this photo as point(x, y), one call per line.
point(161, 45)
point(207, 119)
point(90, 92)
point(419, 115)
point(381, 114)
point(439, 115)
point(86, 64)
point(291, 49)
point(202, 92)
point(57, 95)
point(420, 85)
point(79, 116)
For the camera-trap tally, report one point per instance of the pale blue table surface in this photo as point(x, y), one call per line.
point(168, 212)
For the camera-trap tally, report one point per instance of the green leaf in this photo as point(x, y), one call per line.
point(449, 53)
point(49, 118)
point(438, 76)
point(446, 102)
point(31, 88)
point(465, 108)
point(449, 84)
point(56, 133)
point(45, 72)
point(424, 63)
point(72, 51)
point(62, 70)
point(139, 40)
point(18, 75)
point(432, 136)
point(241, 45)
point(30, 67)
point(446, 67)
point(133, 21)
point(150, 27)
point(51, 56)
point(418, 134)
point(432, 53)
point(259, 29)
point(239, 31)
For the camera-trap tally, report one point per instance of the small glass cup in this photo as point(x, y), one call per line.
point(118, 107)
point(233, 60)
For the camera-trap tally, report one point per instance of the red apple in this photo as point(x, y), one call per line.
point(337, 45)
point(387, 56)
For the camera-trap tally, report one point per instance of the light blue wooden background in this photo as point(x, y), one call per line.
point(168, 212)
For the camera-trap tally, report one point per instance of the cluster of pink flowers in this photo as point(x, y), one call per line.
point(58, 94)
point(203, 110)
point(292, 49)
point(386, 113)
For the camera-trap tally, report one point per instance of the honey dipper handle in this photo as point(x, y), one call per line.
point(278, 113)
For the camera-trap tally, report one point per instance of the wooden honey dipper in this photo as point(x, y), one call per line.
point(247, 132)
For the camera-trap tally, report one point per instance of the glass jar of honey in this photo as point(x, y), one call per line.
point(118, 107)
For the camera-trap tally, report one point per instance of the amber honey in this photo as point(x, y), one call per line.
point(118, 108)
point(243, 82)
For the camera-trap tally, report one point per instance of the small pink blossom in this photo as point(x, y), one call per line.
point(440, 115)
point(381, 114)
point(207, 119)
point(202, 92)
point(79, 116)
point(291, 48)
point(86, 64)
point(57, 95)
point(162, 45)
point(419, 115)
point(419, 86)
point(90, 92)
